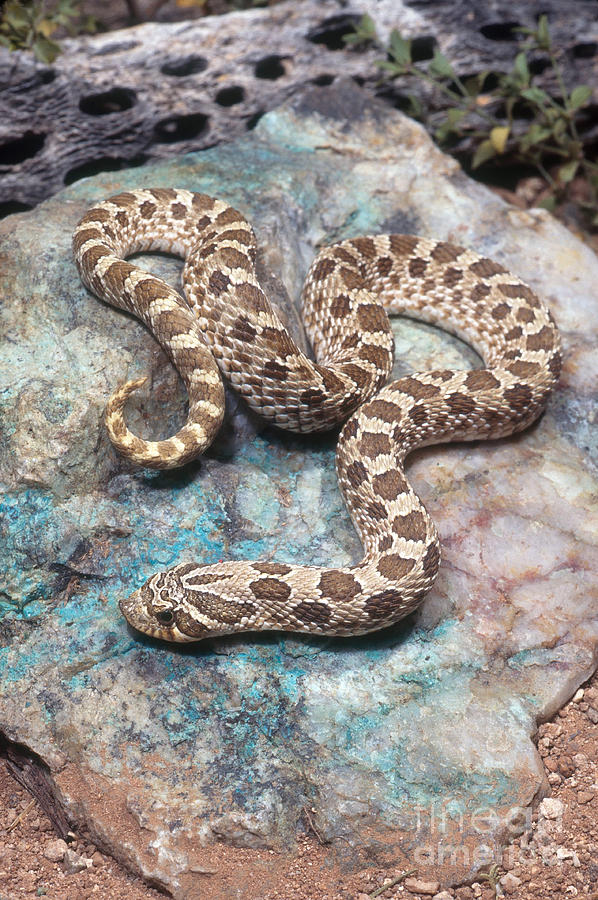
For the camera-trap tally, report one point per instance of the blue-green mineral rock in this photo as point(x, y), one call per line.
point(413, 744)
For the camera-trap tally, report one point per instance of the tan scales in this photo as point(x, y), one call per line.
point(225, 322)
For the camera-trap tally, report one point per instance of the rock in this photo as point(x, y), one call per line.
point(565, 853)
point(74, 863)
point(443, 895)
point(418, 886)
point(246, 734)
point(566, 766)
point(551, 808)
point(55, 850)
point(97, 859)
point(585, 796)
point(223, 83)
point(592, 715)
point(510, 882)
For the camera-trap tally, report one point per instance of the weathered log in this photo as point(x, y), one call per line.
point(158, 90)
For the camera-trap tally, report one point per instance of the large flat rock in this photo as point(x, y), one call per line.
point(412, 745)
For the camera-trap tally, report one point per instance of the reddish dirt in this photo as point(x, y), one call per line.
point(558, 857)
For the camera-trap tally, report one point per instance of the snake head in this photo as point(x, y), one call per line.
point(161, 609)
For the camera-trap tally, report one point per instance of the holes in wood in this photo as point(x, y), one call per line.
point(180, 128)
point(113, 101)
point(585, 50)
point(230, 96)
point(500, 31)
point(423, 47)
point(47, 76)
point(179, 68)
point(270, 67)
point(538, 65)
point(323, 80)
point(331, 31)
point(14, 152)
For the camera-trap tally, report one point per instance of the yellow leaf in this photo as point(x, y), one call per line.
point(46, 27)
point(498, 137)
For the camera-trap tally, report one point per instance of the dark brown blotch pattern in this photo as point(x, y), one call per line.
point(311, 612)
point(338, 586)
point(394, 567)
point(389, 485)
point(270, 590)
point(372, 444)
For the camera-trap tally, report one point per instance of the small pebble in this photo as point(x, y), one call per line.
point(592, 715)
point(55, 850)
point(417, 886)
point(551, 808)
point(510, 882)
point(585, 796)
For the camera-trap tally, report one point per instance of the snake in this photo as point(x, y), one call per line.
point(223, 325)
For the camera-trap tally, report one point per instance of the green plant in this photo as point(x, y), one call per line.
point(503, 114)
point(491, 876)
point(365, 31)
point(29, 25)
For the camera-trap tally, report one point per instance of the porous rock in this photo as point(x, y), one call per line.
point(160, 90)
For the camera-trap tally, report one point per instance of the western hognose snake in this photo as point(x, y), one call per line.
point(227, 322)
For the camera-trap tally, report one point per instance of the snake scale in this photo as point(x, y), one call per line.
point(225, 322)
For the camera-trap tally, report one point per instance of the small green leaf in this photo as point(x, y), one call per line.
point(440, 67)
point(365, 31)
point(558, 129)
point(484, 152)
point(400, 49)
point(543, 34)
point(567, 172)
point(579, 96)
point(536, 95)
point(521, 69)
point(45, 49)
point(391, 67)
point(535, 134)
point(16, 15)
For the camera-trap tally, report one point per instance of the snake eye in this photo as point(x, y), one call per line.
point(165, 616)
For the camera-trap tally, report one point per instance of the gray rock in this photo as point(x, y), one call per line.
point(414, 741)
point(160, 90)
point(74, 863)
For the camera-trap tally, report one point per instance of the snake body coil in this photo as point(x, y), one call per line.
point(226, 322)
